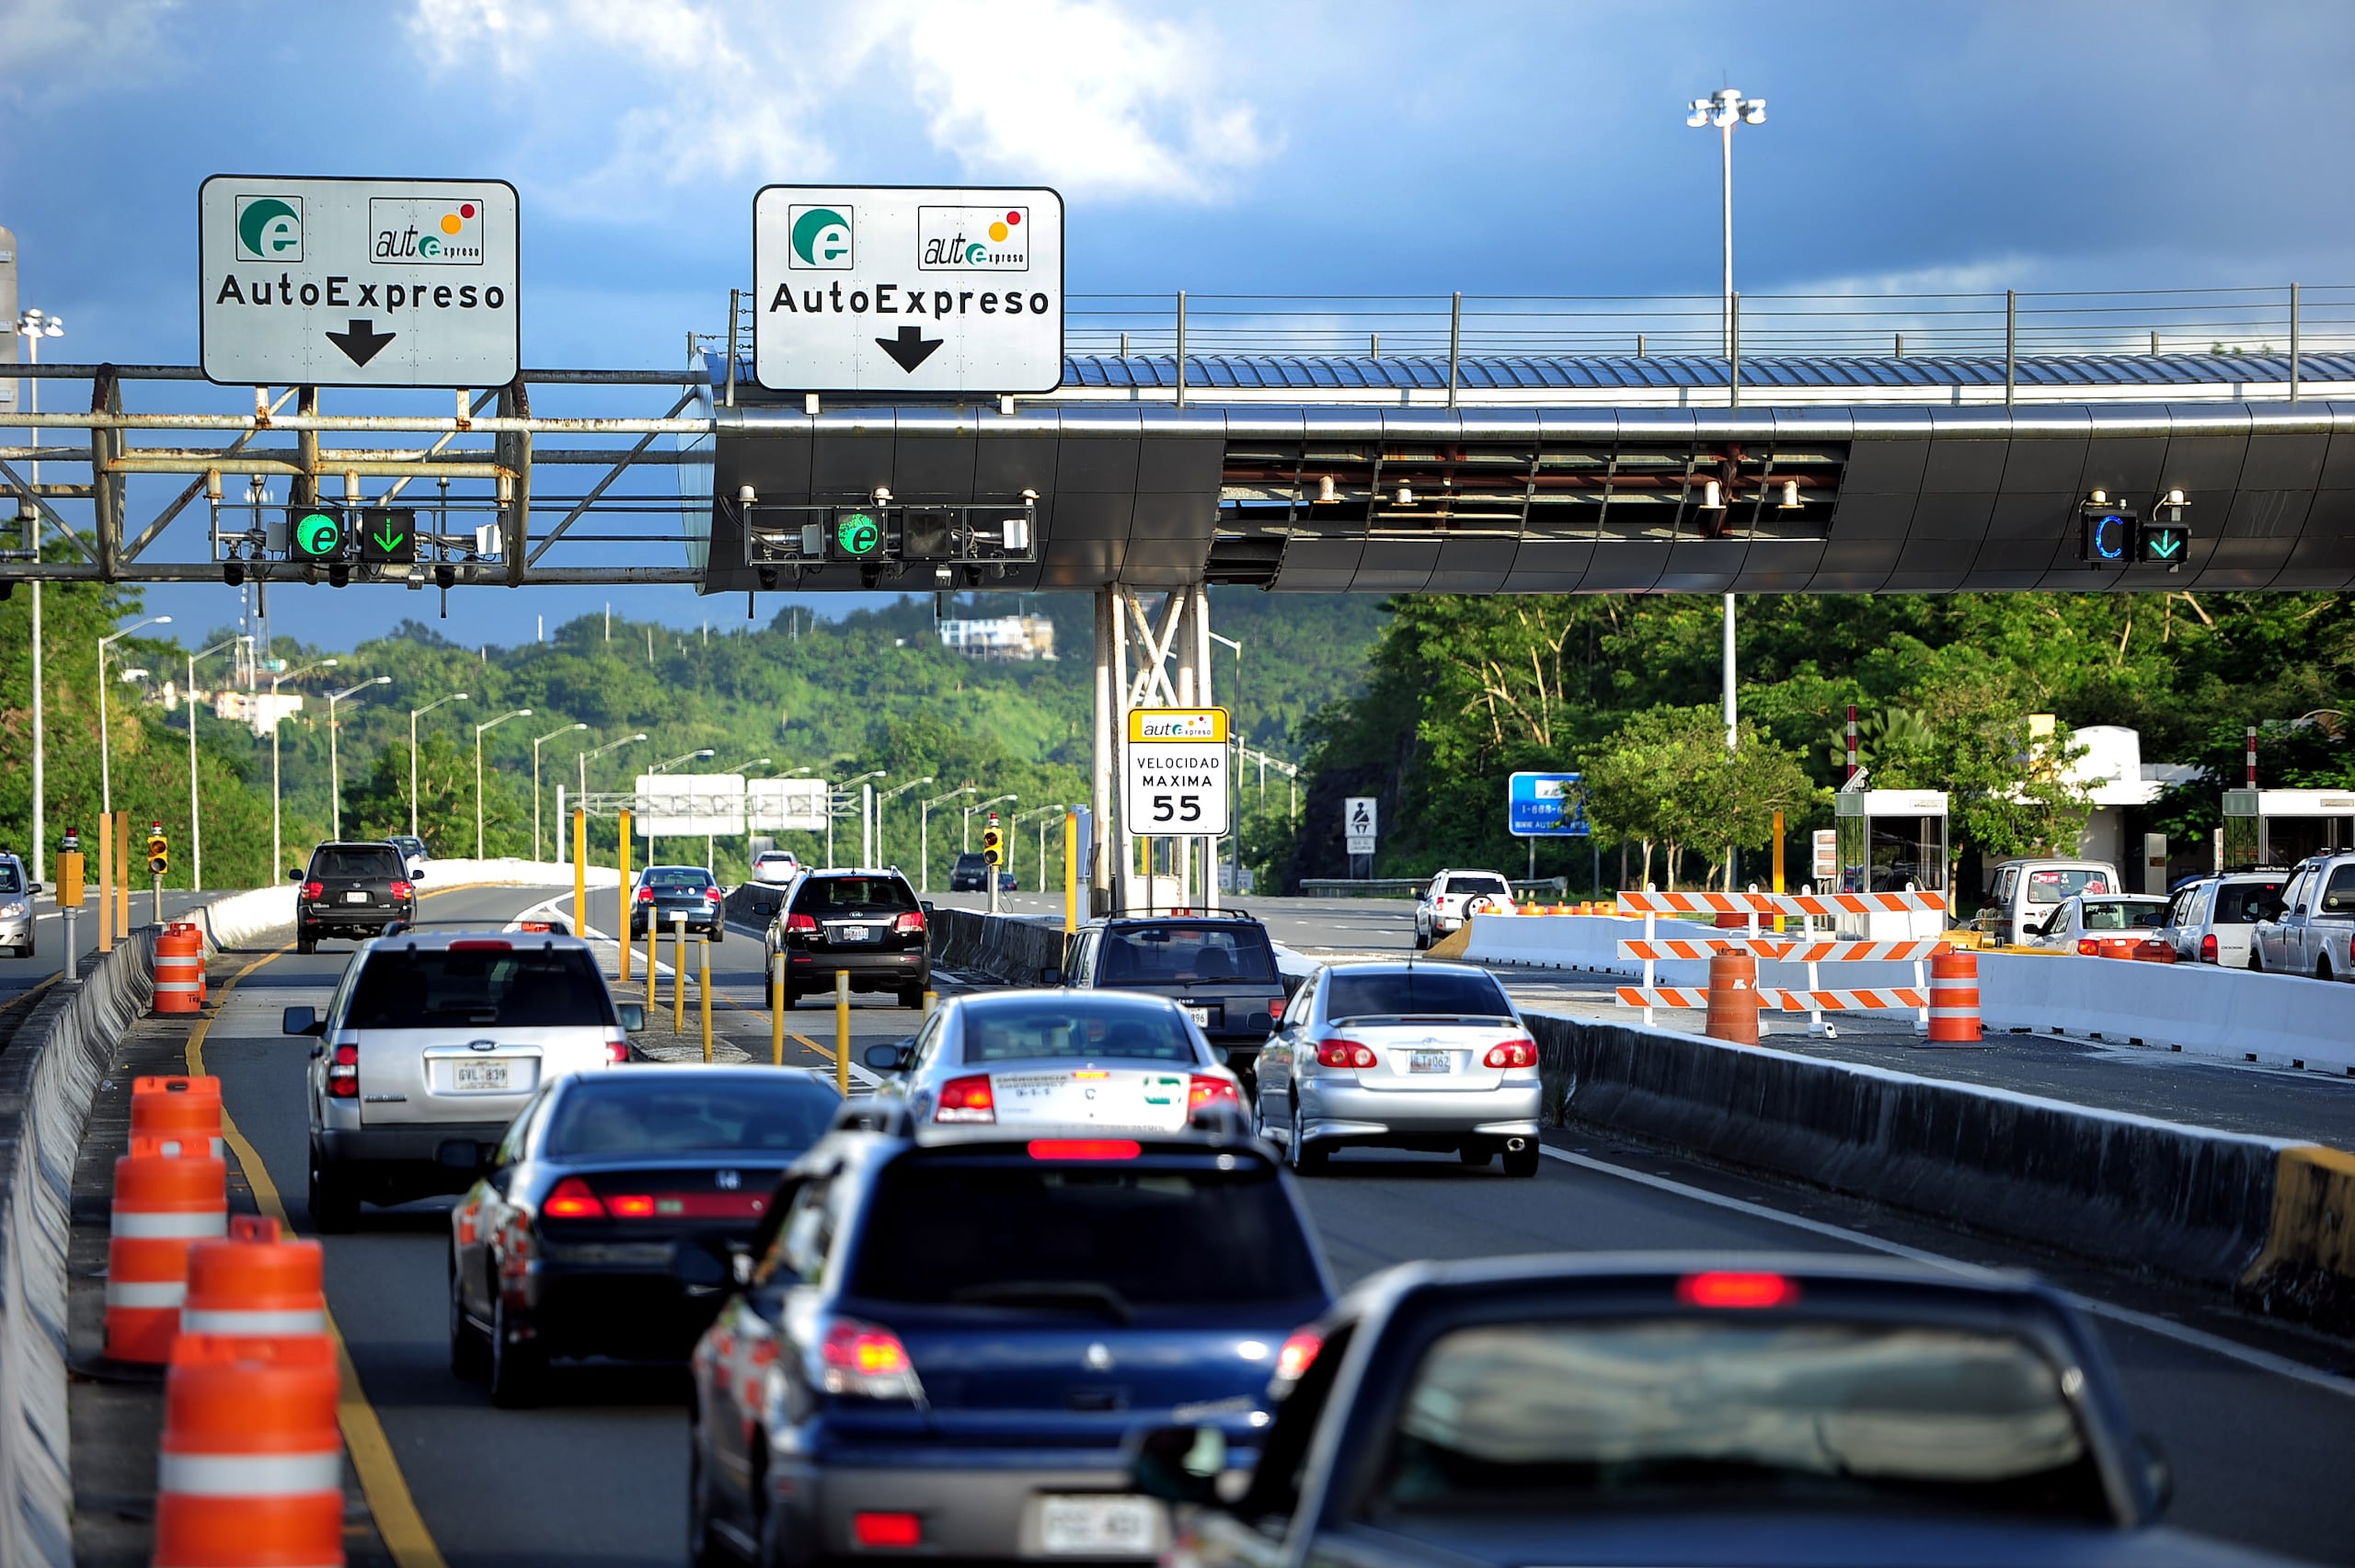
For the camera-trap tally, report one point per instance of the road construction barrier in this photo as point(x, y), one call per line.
point(1883, 999)
point(1746, 910)
point(163, 1204)
point(1733, 999)
point(181, 1114)
point(1650, 997)
point(251, 1468)
point(257, 1283)
point(179, 969)
point(1816, 906)
point(1954, 999)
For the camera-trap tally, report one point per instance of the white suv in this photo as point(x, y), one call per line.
point(2209, 920)
point(1455, 897)
point(2309, 927)
point(776, 868)
point(430, 1044)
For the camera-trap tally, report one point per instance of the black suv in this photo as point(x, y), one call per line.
point(355, 889)
point(667, 890)
point(970, 874)
point(867, 924)
point(1219, 967)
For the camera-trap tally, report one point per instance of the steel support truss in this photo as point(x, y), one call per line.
point(1147, 658)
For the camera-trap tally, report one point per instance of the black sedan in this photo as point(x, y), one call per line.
point(666, 893)
point(610, 1216)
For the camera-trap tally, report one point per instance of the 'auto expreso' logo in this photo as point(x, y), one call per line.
point(270, 228)
point(973, 240)
point(820, 238)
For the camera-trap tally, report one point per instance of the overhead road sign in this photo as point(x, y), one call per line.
point(895, 289)
point(785, 805)
point(358, 282)
point(1177, 772)
point(1546, 805)
point(671, 805)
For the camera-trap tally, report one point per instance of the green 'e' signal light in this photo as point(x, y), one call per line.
point(318, 536)
point(857, 534)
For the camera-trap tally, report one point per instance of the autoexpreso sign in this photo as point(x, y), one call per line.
point(907, 289)
point(358, 282)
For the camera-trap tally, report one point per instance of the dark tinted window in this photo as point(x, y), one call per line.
point(2118, 914)
point(11, 880)
point(1453, 991)
point(462, 987)
point(374, 863)
point(941, 1232)
point(618, 1114)
point(1563, 1418)
point(970, 862)
point(692, 877)
point(1010, 1031)
point(2052, 886)
point(2338, 897)
point(823, 896)
point(1174, 953)
point(2236, 901)
point(1462, 885)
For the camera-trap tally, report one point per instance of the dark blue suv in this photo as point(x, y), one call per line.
point(947, 1336)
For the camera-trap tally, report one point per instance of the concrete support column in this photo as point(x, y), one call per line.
point(1102, 859)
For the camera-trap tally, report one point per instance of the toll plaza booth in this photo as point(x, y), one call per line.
point(2281, 827)
point(1890, 841)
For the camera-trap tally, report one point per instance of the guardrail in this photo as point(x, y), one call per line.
point(1391, 886)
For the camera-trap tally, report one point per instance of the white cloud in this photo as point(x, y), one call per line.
point(59, 45)
point(1080, 93)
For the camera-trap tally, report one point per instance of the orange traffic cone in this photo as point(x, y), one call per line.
point(179, 968)
point(163, 1205)
point(182, 1113)
point(250, 1474)
point(259, 1283)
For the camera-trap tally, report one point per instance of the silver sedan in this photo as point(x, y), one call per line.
point(1410, 1055)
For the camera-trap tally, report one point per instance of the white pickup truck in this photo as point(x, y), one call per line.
point(2311, 928)
point(2022, 895)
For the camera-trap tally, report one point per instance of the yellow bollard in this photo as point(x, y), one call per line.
point(122, 874)
point(776, 1009)
point(931, 1001)
point(703, 990)
point(579, 871)
point(678, 973)
point(653, 935)
point(842, 1033)
point(621, 901)
point(106, 885)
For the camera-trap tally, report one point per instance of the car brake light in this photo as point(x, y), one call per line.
point(1343, 1053)
point(314, 889)
point(1299, 1353)
point(712, 893)
point(1201, 1090)
point(645, 895)
point(631, 1205)
point(860, 1359)
point(1086, 1148)
point(573, 1199)
point(967, 1100)
point(801, 922)
point(404, 891)
point(912, 921)
point(887, 1529)
point(343, 1072)
point(616, 1049)
point(1512, 1053)
point(2088, 947)
point(1737, 1290)
point(481, 944)
point(2208, 949)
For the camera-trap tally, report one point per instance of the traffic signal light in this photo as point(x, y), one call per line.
point(160, 849)
point(388, 535)
point(992, 844)
point(2162, 543)
point(318, 535)
point(2107, 535)
point(857, 534)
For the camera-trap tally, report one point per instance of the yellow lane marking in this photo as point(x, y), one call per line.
point(398, 1519)
point(812, 1045)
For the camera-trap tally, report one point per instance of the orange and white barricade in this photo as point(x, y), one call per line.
point(179, 968)
point(1954, 999)
point(250, 1473)
point(182, 1113)
point(257, 1284)
point(1808, 946)
point(163, 1204)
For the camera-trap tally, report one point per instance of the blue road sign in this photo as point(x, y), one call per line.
point(1546, 805)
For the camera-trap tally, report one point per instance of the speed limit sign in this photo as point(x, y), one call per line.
point(1177, 775)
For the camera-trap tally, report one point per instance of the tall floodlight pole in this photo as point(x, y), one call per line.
point(33, 326)
point(1235, 794)
point(414, 714)
point(335, 759)
point(480, 729)
point(195, 818)
point(883, 856)
point(924, 829)
point(1725, 110)
point(551, 735)
point(105, 757)
point(843, 786)
point(583, 758)
point(276, 851)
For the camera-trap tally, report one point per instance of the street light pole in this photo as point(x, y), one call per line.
point(582, 757)
point(33, 326)
point(923, 850)
point(494, 724)
point(881, 854)
point(414, 714)
point(195, 820)
point(551, 735)
point(335, 761)
point(106, 752)
point(844, 785)
point(276, 851)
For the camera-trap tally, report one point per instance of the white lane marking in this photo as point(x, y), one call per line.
point(2198, 1339)
point(554, 908)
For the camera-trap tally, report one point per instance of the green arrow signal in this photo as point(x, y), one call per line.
point(385, 539)
point(2164, 544)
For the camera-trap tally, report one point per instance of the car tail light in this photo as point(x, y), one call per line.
point(912, 922)
point(481, 944)
point(1343, 1053)
point(1299, 1353)
point(343, 1072)
point(617, 1048)
point(967, 1100)
point(535, 925)
point(314, 889)
point(2088, 947)
point(887, 1529)
point(631, 1205)
point(1201, 1090)
point(1737, 1290)
point(856, 1357)
point(645, 895)
point(404, 891)
point(801, 922)
point(573, 1199)
point(1512, 1053)
point(712, 893)
point(2208, 949)
point(1086, 1148)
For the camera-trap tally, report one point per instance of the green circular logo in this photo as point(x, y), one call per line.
point(318, 535)
point(859, 534)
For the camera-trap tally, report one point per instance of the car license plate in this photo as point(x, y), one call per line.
point(1201, 1015)
point(854, 933)
point(481, 1077)
point(357, 895)
point(1428, 1062)
point(1107, 1526)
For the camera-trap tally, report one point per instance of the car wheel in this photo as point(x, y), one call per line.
point(1476, 1155)
point(305, 944)
point(469, 1357)
point(1523, 1161)
point(718, 932)
point(1299, 1154)
point(2255, 964)
point(2321, 969)
point(911, 996)
point(517, 1369)
point(335, 1208)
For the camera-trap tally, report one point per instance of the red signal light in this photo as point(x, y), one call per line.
point(1739, 1291)
point(1085, 1148)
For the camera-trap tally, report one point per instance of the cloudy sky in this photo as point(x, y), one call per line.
point(1226, 148)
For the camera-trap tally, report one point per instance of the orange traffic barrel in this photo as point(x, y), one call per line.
point(1733, 998)
point(256, 1283)
point(182, 1113)
point(1954, 998)
point(163, 1204)
point(179, 969)
point(250, 1473)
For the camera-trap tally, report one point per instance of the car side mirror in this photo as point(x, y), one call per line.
point(301, 1021)
point(1293, 984)
point(293, 874)
point(894, 1056)
point(417, 875)
point(633, 1016)
point(926, 906)
point(1050, 976)
point(33, 887)
point(1177, 1464)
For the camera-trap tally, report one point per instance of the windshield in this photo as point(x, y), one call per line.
point(409, 846)
point(11, 880)
point(381, 864)
point(1475, 885)
point(2339, 897)
point(2237, 902)
point(942, 1234)
point(827, 896)
point(2119, 914)
point(613, 1115)
point(471, 988)
point(1460, 992)
point(678, 877)
point(1168, 954)
point(1557, 1418)
point(2052, 886)
point(1022, 1031)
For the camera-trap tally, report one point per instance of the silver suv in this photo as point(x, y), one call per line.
point(2210, 920)
point(432, 1045)
point(2309, 929)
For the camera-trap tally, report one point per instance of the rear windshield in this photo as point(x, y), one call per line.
point(2052, 886)
point(1476, 884)
point(678, 877)
point(969, 861)
point(11, 880)
point(407, 846)
point(383, 864)
point(2339, 896)
point(1451, 991)
point(1114, 1236)
point(823, 896)
point(1021, 1031)
point(1556, 1418)
point(2118, 915)
point(612, 1114)
point(455, 988)
point(2236, 901)
point(1165, 955)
